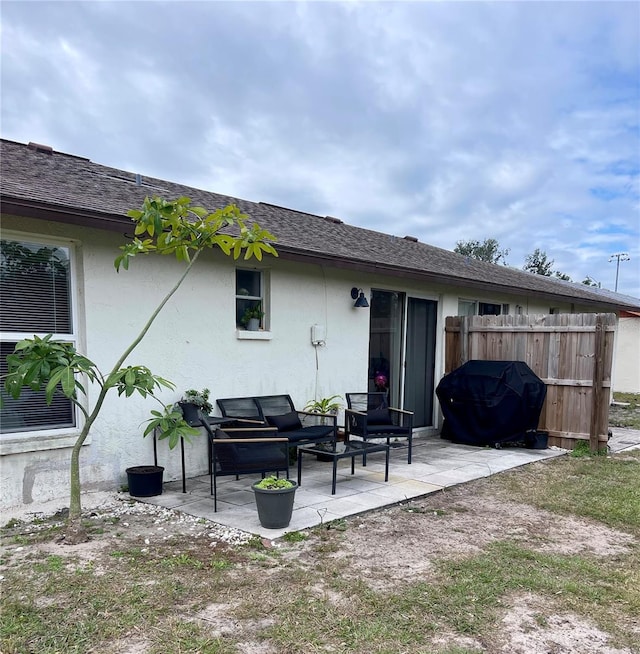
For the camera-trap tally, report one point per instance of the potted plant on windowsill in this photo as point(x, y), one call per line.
point(274, 501)
point(251, 318)
point(194, 402)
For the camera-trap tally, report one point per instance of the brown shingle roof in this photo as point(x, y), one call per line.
point(76, 190)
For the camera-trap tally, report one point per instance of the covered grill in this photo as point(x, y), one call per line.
point(491, 402)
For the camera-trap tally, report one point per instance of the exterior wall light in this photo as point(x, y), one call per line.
point(357, 294)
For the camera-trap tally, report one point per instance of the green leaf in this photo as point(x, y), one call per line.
point(52, 385)
point(68, 383)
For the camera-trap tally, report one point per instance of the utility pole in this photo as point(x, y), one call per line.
point(619, 256)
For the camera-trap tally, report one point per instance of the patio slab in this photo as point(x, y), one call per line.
point(437, 464)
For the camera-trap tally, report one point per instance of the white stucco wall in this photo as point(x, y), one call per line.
point(626, 364)
point(194, 343)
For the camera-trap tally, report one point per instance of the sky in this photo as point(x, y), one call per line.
point(448, 121)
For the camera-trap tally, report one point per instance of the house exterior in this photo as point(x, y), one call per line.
point(63, 219)
point(626, 370)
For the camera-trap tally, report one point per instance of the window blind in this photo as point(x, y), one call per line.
point(35, 298)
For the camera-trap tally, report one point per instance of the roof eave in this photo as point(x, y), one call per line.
point(68, 215)
point(292, 254)
point(119, 223)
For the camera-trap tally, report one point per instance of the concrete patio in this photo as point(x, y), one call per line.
point(437, 464)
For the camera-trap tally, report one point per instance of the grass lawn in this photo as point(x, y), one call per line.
point(139, 593)
point(625, 412)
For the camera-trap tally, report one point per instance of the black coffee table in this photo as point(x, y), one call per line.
point(349, 449)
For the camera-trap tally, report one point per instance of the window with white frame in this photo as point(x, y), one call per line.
point(36, 297)
point(467, 307)
point(250, 298)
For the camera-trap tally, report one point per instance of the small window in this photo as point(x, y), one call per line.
point(35, 298)
point(488, 309)
point(467, 307)
point(250, 302)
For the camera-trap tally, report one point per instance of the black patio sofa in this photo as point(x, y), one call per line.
point(299, 427)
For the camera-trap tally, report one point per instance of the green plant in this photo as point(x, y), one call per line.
point(251, 312)
point(161, 227)
point(274, 483)
point(324, 405)
point(294, 537)
point(582, 448)
point(199, 398)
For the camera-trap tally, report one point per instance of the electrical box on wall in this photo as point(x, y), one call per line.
point(317, 335)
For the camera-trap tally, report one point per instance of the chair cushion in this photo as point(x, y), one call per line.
point(314, 433)
point(285, 422)
point(378, 417)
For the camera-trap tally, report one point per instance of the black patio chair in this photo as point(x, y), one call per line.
point(299, 427)
point(369, 416)
point(244, 409)
point(246, 451)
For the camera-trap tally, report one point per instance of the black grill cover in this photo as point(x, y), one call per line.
point(490, 402)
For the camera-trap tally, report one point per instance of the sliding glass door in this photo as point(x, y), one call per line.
point(385, 343)
point(420, 360)
point(404, 369)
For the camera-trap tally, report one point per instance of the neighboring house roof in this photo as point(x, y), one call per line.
point(38, 182)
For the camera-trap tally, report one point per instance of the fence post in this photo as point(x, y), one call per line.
point(464, 340)
point(597, 390)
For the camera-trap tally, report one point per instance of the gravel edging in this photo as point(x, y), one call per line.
point(119, 507)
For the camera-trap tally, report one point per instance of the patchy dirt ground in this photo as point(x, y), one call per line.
point(460, 522)
point(389, 548)
point(463, 521)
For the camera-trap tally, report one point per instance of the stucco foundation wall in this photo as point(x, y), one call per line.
point(626, 366)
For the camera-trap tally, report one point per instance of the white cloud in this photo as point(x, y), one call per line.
point(448, 121)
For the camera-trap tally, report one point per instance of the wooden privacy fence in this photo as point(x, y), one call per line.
point(571, 353)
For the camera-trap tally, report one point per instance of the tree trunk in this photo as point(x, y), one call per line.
point(75, 532)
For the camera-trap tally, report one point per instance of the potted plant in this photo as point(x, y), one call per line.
point(146, 480)
point(274, 501)
point(193, 402)
point(324, 405)
point(251, 318)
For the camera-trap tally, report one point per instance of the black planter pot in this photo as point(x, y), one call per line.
point(145, 481)
point(190, 412)
point(275, 506)
point(537, 440)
